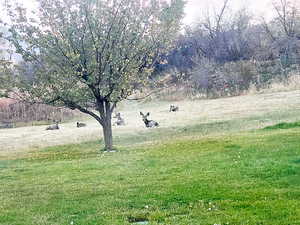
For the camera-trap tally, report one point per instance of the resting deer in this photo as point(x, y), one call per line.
point(120, 121)
point(173, 108)
point(149, 123)
point(53, 127)
point(80, 124)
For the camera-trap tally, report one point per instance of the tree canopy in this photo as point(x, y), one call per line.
point(89, 54)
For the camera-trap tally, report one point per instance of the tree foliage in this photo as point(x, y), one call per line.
point(90, 54)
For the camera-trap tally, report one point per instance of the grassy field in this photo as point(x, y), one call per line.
point(215, 162)
point(199, 117)
point(244, 178)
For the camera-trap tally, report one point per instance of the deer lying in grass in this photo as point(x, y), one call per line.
point(149, 123)
point(174, 108)
point(80, 124)
point(120, 121)
point(53, 127)
point(4, 125)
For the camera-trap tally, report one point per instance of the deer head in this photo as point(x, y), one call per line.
point(173, 108)
point(148, 123)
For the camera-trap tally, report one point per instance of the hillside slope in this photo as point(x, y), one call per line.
point(205, 117)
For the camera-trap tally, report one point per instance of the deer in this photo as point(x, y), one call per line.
point(148, 123)
point(78, 124)
point(53, 126)
point(120, 121)
point(173, 108)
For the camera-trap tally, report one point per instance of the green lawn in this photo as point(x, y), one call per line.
point(246, 178)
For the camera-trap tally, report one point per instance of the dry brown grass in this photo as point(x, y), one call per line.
point(291, 84)
point(15, 113)
point(190, 113)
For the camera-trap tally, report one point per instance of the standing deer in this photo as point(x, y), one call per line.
point(149, 123)
point(120, 121)
point(53, 127)
point(80, 124)
point(173, 108)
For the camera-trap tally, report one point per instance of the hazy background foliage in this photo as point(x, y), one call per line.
point(226, 53)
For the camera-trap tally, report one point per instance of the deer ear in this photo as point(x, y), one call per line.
point(148, 114)
point(141, 114)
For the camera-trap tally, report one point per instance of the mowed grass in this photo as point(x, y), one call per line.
point(247, 178)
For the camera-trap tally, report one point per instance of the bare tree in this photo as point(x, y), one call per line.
point(288, 17)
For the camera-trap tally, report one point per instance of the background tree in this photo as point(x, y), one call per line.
point(90, 54)
point(284, 32)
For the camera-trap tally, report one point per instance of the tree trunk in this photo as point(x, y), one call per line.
point(107, 133)
point(106, 112)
